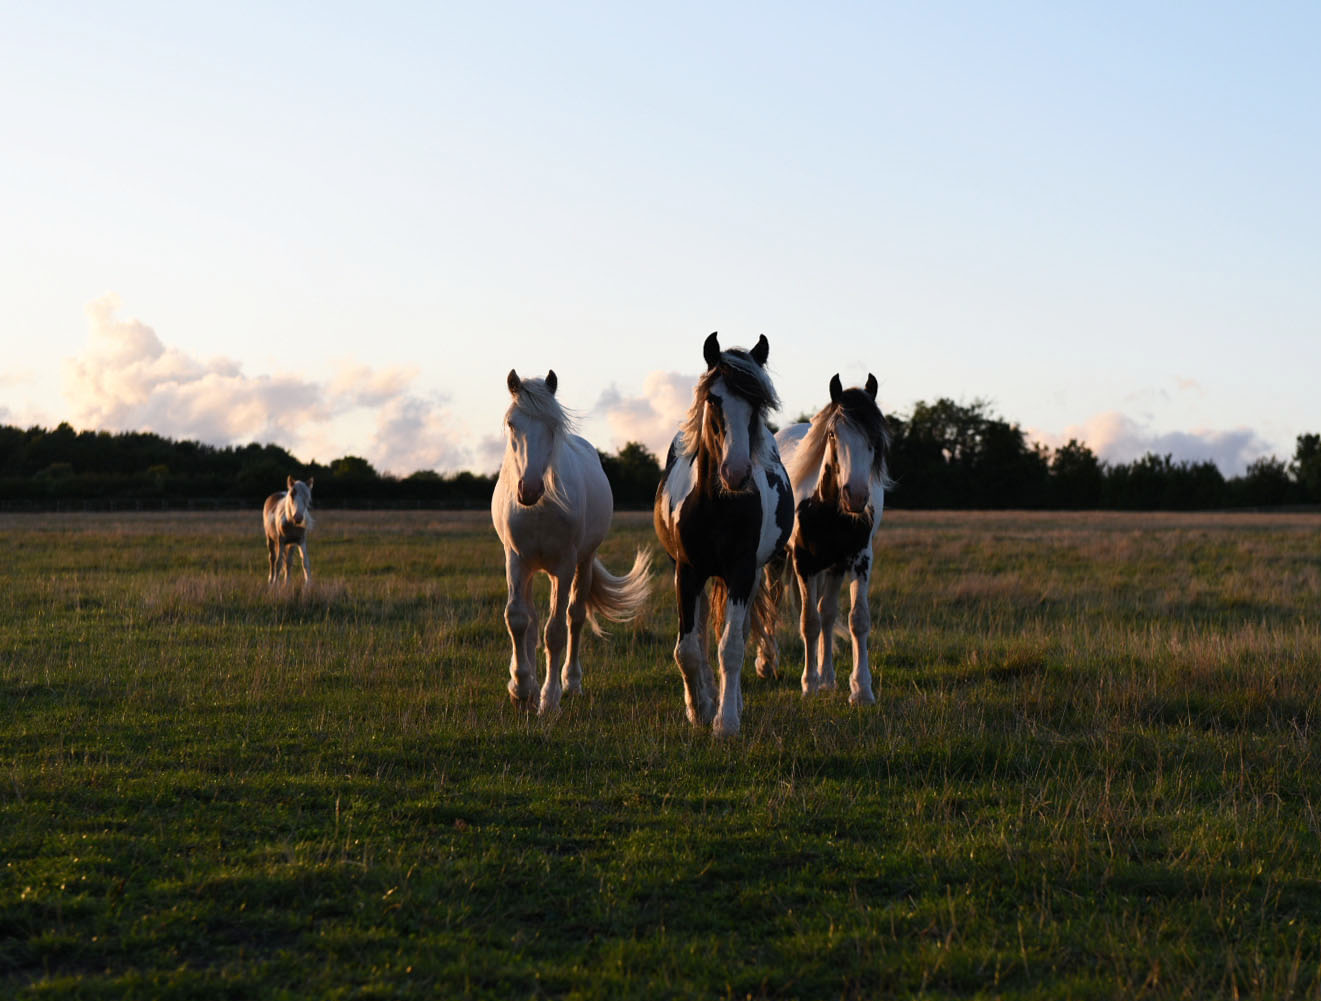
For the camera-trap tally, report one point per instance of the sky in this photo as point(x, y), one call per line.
point(337, 227)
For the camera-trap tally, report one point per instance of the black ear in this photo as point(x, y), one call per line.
point(871, 385)
point(836, 388)
point(514, 382)
point(761, 351)
point(711, 350)
point(551, 381)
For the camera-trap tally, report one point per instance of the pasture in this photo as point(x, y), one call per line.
point(1092, 772)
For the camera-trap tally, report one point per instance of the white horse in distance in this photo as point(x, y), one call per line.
point(551, 508)
point(287, 517)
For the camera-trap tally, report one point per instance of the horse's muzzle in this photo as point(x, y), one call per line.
point(530, 493)
point(735, 478)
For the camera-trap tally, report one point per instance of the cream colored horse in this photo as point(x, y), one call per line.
point(552, 507)
point(287, 516)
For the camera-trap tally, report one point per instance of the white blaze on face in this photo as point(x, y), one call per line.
point(853, 458)
point(733, 415)
point(529, 449)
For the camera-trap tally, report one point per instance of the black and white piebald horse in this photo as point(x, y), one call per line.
point(837, 464)
point(723, 509)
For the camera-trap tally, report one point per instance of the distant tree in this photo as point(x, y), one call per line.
point(1306, 467)
point(353, 469)
point(1266, 483)
point(634, 475)
point(1156, 482)
point(956, 455)
point(1077, 477)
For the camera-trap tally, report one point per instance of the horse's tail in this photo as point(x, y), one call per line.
point(766, 619)
point(618, 599)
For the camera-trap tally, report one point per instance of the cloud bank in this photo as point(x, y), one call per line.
point(1116, 437)
point(127, 379)
point(652, 418)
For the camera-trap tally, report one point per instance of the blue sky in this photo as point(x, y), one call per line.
point(338, 227)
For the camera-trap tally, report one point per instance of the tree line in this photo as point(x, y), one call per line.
point(944, 455)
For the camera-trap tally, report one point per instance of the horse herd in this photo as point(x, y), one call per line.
point(737, 507)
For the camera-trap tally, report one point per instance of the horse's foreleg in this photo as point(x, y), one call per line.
point(307, 567)
point(572, 675)
point(860, 691)
point(520, 620)
point(690, 648)
point(809, 626)
point(270, 553)
point(828, 605)
point(557, 634)
point(733, 645)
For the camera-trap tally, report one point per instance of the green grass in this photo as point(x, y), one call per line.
point(1092, 772)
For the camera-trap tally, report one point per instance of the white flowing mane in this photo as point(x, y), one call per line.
point(536, 401)
point(805, 461)
point(745, 378)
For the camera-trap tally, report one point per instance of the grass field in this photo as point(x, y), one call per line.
point(1093, 771)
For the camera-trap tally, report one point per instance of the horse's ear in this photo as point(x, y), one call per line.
point(551, 381)
point(514, 382)
point(836, 388)
point(711, 350)
point(289, 483)
point(310, 481)
point(871, 385)
point(761, 351)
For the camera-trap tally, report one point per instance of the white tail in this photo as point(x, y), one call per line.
point(618, 599)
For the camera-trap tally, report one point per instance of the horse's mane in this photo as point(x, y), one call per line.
point(857, 408)
point(745, 378)
point(537, 401)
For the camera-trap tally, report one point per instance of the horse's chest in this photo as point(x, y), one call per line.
point(717, 532)
point(827, 539)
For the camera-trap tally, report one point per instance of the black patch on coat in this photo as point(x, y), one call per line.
point(829, 539)
point(717, 535)
point(784, 504)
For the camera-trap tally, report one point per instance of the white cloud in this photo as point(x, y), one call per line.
point(652, 418)
point(128, 379)
point(1116, 437)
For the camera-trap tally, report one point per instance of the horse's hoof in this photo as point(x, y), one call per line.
point(701, 715)
point(862, 698)
point(721, 728)
point(527, 702)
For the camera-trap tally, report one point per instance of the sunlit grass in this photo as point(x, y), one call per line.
point(1091, 772)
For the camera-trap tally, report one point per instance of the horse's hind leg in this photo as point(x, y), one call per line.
point(860, 692)
point(557, 634)
point(520, 620)
point(690, 648)
point(572, 675)
point(810, 627)
point(828, 604)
